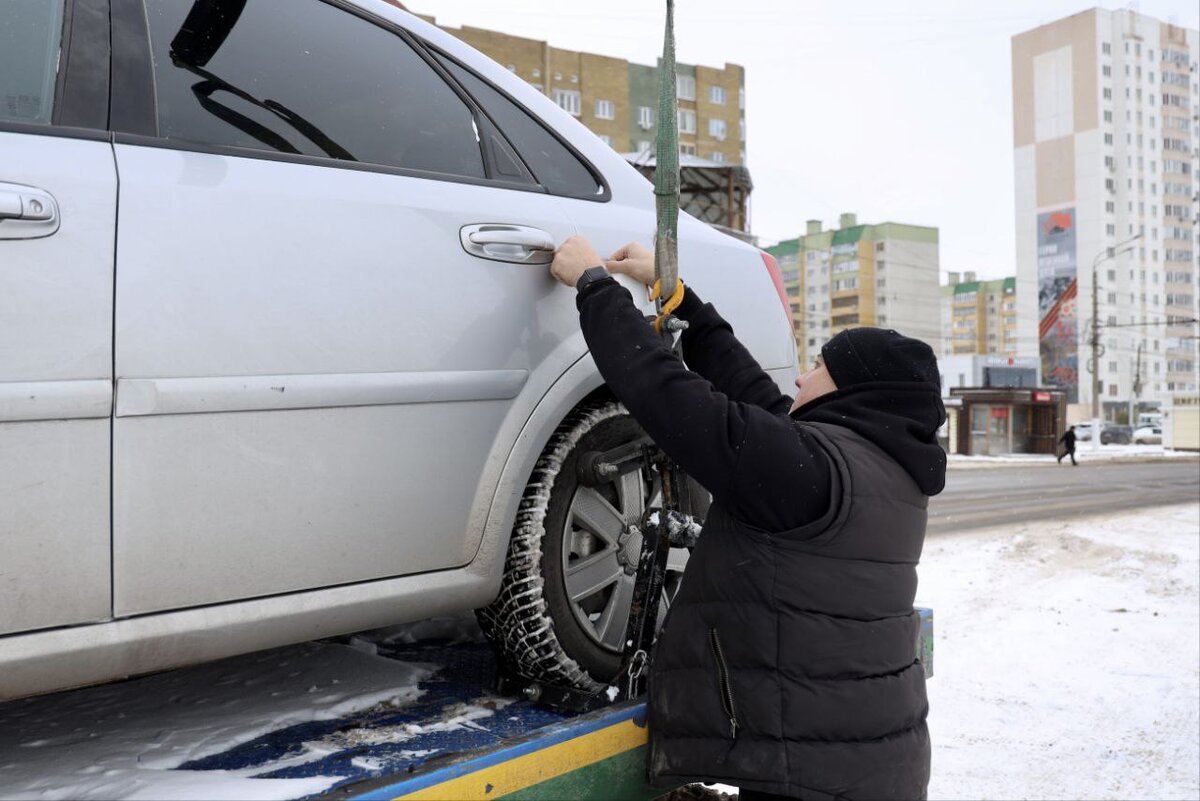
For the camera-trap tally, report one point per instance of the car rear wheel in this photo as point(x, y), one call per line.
point(569, 573)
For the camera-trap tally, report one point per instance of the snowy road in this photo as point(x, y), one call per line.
point(1015, 494)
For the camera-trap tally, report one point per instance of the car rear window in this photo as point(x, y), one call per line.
point(551, 162)
point(309, 79)
point(29, 43)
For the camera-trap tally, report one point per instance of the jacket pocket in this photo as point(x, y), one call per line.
point(726, 686)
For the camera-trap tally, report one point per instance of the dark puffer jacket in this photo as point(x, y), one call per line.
point(787, 662)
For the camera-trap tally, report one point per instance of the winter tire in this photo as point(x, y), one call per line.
point(568, 576)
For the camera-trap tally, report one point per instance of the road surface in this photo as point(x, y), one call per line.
point(975, 498)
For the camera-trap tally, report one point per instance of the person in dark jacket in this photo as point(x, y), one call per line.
point(1068, 442)
point(787, 662)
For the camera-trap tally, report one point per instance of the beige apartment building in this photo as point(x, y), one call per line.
point(1106, 136)
point(882, 275)
point(979, 317)
point(618, 100)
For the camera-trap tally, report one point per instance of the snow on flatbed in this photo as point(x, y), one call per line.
point(127, 740)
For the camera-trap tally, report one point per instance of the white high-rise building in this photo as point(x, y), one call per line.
point(1106, 135)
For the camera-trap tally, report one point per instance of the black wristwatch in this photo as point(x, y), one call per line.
point(590, 276)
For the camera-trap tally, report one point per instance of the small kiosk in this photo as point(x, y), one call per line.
point(994, 421)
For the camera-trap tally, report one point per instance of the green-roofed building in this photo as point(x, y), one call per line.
point(979, 317)
point(882, 275)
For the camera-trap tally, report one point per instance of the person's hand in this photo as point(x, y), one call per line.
point(634, 260)
point(573, 257)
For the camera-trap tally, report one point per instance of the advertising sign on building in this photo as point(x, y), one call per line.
point(1057, 294)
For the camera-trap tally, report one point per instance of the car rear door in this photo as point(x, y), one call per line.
point(57, 220)
point(331, 286)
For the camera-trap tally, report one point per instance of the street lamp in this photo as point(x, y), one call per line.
point(1102, 256)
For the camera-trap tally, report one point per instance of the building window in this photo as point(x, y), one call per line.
point(645, 118)
point(1106, 48)
point(717, 157)
point(567, 100)
point(536, 72)
point(687, 150)
point(741, 130)
point(716, 129)
point(644, 146)
point(1108, 116)
point(742, 98)
point(605, 109)
point(685, 87)
point(1112, 390)
point(687, 121)
point(716, 94)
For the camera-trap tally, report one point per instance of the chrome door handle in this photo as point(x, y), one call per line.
point(26, 212)
point(518, 244)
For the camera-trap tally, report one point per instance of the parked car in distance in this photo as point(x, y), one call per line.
point(1116, 434)
point(1148, 435)
point(1110, 433)
point(302, 370)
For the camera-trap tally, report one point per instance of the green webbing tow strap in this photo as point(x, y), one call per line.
point(666, 177)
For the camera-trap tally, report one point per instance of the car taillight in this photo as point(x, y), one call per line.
point(777, 279)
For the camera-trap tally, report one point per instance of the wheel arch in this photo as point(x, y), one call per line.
point(581, 383)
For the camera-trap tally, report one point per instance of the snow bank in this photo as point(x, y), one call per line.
point(1083, 453)
point(123, 740)
point(1066, 658)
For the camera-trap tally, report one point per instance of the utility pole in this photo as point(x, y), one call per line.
point(1102, 256)
point(1137, 384)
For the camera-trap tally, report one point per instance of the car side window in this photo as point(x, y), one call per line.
point(551, 162)
point(29, 42)
point(311, 80)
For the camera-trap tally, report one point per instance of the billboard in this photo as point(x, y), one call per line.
point(1058, 341)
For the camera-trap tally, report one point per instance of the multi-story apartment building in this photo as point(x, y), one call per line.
point(979, 317)
point(618, 100)
point(1106, 135)
point(882, 275)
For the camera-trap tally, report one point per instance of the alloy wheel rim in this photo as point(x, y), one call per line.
point(599, 541)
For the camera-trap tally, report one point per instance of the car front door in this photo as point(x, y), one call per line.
point(57, 217)
point(331, 286)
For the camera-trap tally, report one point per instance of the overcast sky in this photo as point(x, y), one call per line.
point(900, 111)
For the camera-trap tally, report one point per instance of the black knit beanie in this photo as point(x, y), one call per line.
point(858, 355)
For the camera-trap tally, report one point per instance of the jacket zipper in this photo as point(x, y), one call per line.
point(726, 686)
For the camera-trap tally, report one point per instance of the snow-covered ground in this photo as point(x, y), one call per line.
point(1083, 453)
point(1066, 666)
point(1066, 658)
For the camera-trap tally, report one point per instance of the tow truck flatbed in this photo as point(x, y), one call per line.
point(443, 734)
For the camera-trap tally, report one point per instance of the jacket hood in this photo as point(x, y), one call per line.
point(900, 417)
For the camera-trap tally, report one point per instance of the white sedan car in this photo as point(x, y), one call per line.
point(280, 357)
point(1148, 435)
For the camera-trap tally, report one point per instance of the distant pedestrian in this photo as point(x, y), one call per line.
point(1068, 441)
